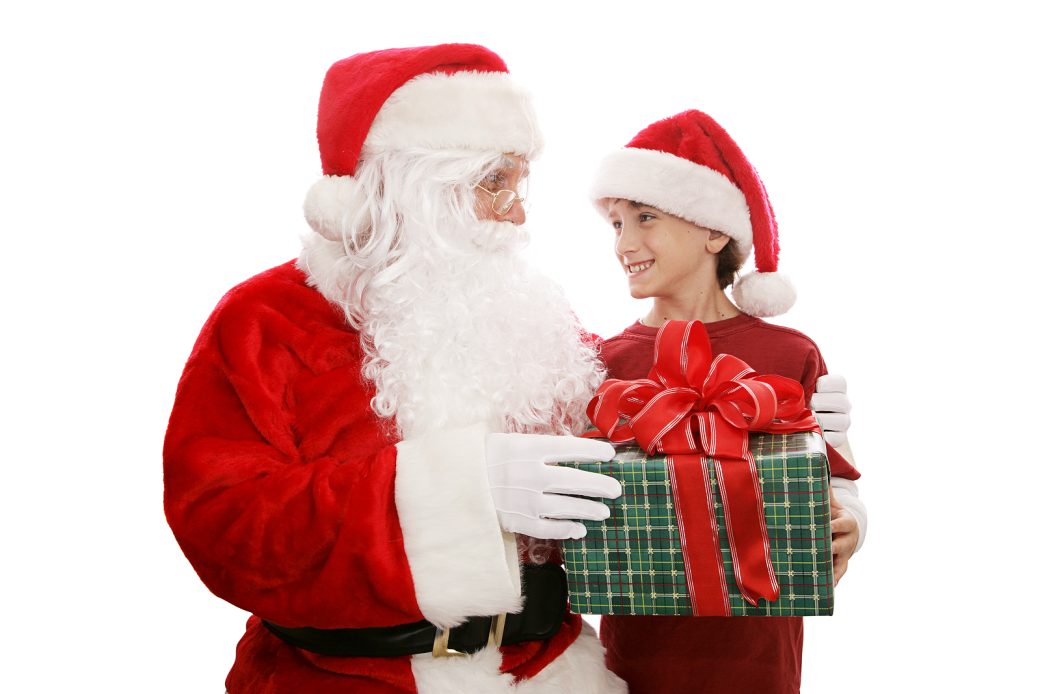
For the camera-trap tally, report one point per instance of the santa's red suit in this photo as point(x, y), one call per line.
point(293, 501)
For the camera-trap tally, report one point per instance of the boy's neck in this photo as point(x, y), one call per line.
point(708, 307)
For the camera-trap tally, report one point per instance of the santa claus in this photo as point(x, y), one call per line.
point(358, 433)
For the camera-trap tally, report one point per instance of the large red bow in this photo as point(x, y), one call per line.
point(692, 407)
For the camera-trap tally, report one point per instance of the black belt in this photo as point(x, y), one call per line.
point(545, 605)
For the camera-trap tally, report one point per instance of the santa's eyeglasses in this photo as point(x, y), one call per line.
point(502, 200)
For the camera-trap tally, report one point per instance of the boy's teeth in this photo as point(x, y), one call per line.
point(640, 267)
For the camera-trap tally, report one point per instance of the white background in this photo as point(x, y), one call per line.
point(155, 155)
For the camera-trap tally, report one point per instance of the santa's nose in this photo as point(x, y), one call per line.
point(516, 214)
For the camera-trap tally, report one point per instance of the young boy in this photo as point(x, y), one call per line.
point(687, 208)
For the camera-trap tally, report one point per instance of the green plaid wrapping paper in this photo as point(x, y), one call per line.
point(632, 562)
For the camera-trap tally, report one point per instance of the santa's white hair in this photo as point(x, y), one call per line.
point(456, 327)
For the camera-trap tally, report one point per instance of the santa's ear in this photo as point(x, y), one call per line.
point(716, 241)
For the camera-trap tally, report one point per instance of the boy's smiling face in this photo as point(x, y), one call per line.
point(662, 255)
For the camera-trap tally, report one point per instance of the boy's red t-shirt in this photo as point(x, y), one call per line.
point(715, 655)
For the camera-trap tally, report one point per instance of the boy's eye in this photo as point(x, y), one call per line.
point(645, 217)
point(616, 224)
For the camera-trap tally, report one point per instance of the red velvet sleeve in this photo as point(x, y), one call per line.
point(279, 482)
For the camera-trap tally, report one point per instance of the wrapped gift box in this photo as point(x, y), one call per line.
point(632, 563)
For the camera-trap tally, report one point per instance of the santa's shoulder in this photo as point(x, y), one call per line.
point(275, 309)
point(265, 286)
point(280, 291)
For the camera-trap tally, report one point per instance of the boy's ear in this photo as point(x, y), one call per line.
point(716, 241)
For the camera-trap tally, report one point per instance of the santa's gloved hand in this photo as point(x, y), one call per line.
point(831, 406)
point(531, 493)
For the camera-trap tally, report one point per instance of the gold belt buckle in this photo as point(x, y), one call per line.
point(498, 628)
point(440, 640)
point(440, 645)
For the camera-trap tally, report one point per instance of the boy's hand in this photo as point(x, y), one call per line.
point(844, 537)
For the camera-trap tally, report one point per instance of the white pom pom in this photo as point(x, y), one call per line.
point(330, 205)
point(764, 294)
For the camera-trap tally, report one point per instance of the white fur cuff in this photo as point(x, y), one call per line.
point(847, 494)
point(461, 563)
point(677, 186)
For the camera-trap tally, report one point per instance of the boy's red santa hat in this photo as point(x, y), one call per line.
point(688, 166)
point(450, 96)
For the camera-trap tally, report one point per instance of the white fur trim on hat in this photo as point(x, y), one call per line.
point(462, 563)
point(677, 186)
point(331, 203)
point(464, 110)
point(764, 294)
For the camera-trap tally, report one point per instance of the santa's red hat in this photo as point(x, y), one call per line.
point(451, 96)
point(688, 166)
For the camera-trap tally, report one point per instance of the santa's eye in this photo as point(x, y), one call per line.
point(494, 180)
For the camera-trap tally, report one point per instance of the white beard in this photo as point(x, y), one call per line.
point(468, 333)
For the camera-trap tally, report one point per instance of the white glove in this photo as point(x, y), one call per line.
point(831, 406)
point(529, 491)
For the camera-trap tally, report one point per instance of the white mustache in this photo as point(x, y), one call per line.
point(496, 237)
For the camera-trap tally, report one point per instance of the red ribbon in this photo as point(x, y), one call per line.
point(692, 407)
